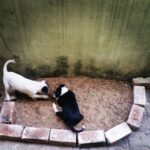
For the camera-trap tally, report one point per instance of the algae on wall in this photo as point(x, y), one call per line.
point(97, 38)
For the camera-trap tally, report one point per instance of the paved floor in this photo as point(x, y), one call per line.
point(139, 140)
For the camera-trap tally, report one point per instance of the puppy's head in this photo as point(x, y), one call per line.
point(44, 87)
point(62, 89)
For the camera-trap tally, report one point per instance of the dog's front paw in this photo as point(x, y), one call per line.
point(54, 96)
point(13, 97)
point(39, 96)
point(55, 108)
point(45, 96)
point(7, 98)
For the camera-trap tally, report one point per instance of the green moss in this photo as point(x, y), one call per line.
point(78, 68)
point(61, 68)
point(39, 72)
point(90, 70)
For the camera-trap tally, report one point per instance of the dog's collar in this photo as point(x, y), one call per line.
point(63, 91)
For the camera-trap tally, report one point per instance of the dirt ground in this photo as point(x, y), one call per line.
point(104, 104)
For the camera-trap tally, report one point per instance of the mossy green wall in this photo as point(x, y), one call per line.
point(97, 38)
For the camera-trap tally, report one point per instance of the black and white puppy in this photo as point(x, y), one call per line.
point(69, 108)
point(15, 82)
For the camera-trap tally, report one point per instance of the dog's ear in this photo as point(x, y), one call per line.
point(43, 81)
point(46, 82)
point(45, 90)
point(61, 85)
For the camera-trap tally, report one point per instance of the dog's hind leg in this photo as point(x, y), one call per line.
point(12, 93)
point(7, 96)
point(8, 91)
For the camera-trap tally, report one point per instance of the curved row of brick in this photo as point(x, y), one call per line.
point(9, 130)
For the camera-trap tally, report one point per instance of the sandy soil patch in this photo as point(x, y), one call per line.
point(104, 104)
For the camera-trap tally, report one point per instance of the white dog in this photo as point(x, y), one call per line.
point(15, 82)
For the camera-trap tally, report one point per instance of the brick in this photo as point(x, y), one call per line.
point(62, 137)
point(8, 113)
point(117, 133)
point(91, 138)
point(139, 95)
point(9, 131)
point(141, 81)
point(32, 134)
point(135, 116)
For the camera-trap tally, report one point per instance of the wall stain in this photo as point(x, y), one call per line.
point(61, 66)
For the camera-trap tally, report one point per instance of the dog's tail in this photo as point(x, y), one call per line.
point(77, 130)
point(6, 63)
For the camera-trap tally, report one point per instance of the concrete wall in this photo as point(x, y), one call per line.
point(97, 38)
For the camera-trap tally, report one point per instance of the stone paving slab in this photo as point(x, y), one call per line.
point(32, 134)
point(122, 145)
point(9, 131)
point(141, 81)
point(139, 95)
point(91, 138)
point(62, 137)
point(15, 145)
point(147, 107)
point(139, 141)
point(135, 116)
point(8, 113)
point(117, 133)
